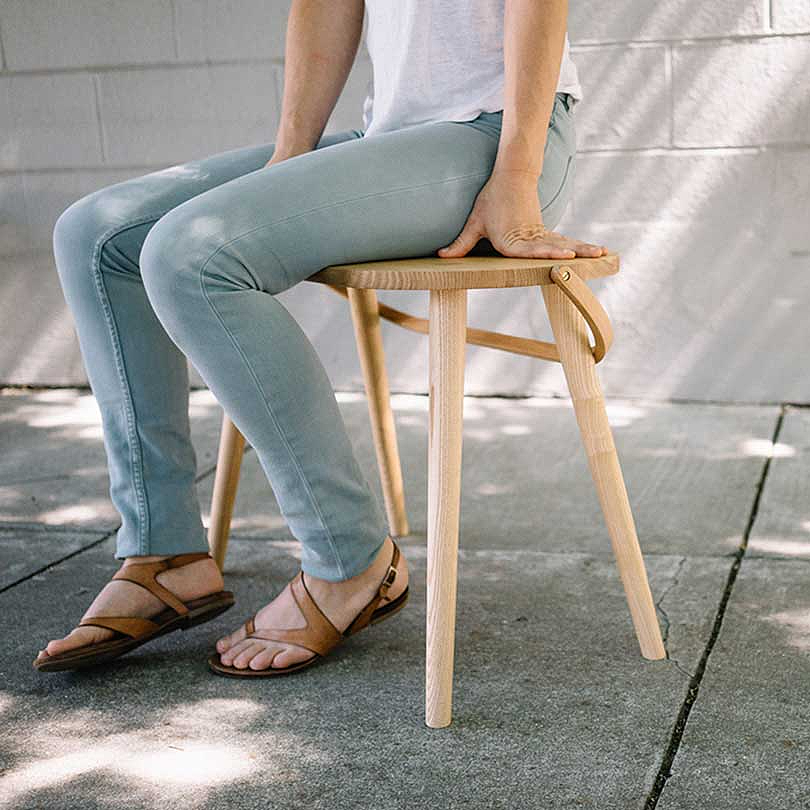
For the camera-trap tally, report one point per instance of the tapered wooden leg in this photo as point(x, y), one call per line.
point(571, 335)
point(368, 335)
point(229, 462)
point(447, 334)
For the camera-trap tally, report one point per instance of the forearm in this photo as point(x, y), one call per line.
point(321, 44)
point(534, 37)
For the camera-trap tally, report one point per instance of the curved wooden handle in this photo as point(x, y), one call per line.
point(581, 296)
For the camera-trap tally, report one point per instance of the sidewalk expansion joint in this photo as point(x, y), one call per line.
point(664, 772)
point(60, 560)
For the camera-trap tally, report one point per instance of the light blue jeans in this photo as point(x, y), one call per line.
point(186, 263)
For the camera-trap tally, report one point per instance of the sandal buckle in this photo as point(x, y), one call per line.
point(390, 576)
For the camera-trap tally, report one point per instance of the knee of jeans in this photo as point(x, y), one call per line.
point(169, 263)
point(75, 235)
point(174, 259)
point(188, 252)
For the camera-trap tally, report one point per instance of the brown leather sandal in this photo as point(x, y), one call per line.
point(319, 635)
point(133, 631)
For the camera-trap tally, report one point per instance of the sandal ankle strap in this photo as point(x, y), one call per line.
point(145, 573)
point(177, 561)
point(363, 618)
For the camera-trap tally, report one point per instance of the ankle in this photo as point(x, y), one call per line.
point(377, 565)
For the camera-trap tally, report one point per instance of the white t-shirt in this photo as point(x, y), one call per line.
point(439, 60)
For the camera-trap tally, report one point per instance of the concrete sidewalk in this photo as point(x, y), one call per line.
point(554, 707)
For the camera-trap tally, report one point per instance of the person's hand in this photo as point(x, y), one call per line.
point(507, 212)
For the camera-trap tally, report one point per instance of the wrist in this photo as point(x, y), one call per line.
point(291, 141)
point(515, 177)
point(517, 156)
point(513, 165)
point(531, 174)
point(282, 151)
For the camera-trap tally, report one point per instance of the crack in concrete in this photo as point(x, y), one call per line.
point(664, 771)
point(659, 603)
point(660, 607)
point(678, 666)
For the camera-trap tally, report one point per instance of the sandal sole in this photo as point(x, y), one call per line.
point(200, 611)
point(379, 615)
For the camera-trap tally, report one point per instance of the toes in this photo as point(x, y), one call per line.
point(291, 655)
point(231, 653)
point(264, 659)
point(243, 659)
point(76, 638)
point(56, 646)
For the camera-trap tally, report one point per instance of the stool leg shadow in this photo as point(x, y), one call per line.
point(571, 334)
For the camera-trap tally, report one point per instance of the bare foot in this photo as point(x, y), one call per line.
point(339, 601)
point(121, 598)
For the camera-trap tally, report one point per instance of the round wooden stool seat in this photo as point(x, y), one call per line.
point(359, 282)
point(465, 273)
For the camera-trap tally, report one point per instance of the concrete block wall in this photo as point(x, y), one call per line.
point(693, 162)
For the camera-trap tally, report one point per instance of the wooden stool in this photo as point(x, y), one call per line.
point(572, 308)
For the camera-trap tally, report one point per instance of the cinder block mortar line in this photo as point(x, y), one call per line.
point(127, 67)
point(660, 151)
point(650, 151)
point(102, 137)
point(668, 84)
point(2, 53)
point(107, 167)
point(664, 772)
point(714, 39)
point(718, 39)
point(175, 36)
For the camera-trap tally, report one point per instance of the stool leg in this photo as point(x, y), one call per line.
point(447, 336)
point(229, 462)
point(571, 335)
point(368, 335)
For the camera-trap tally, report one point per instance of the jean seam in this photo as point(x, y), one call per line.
point(553, 116)
point(134, 440)
point(562, 184)
point(271, 413)
point(333, 205)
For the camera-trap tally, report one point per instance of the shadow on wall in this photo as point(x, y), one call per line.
point(714, 285)
point(693, 164)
